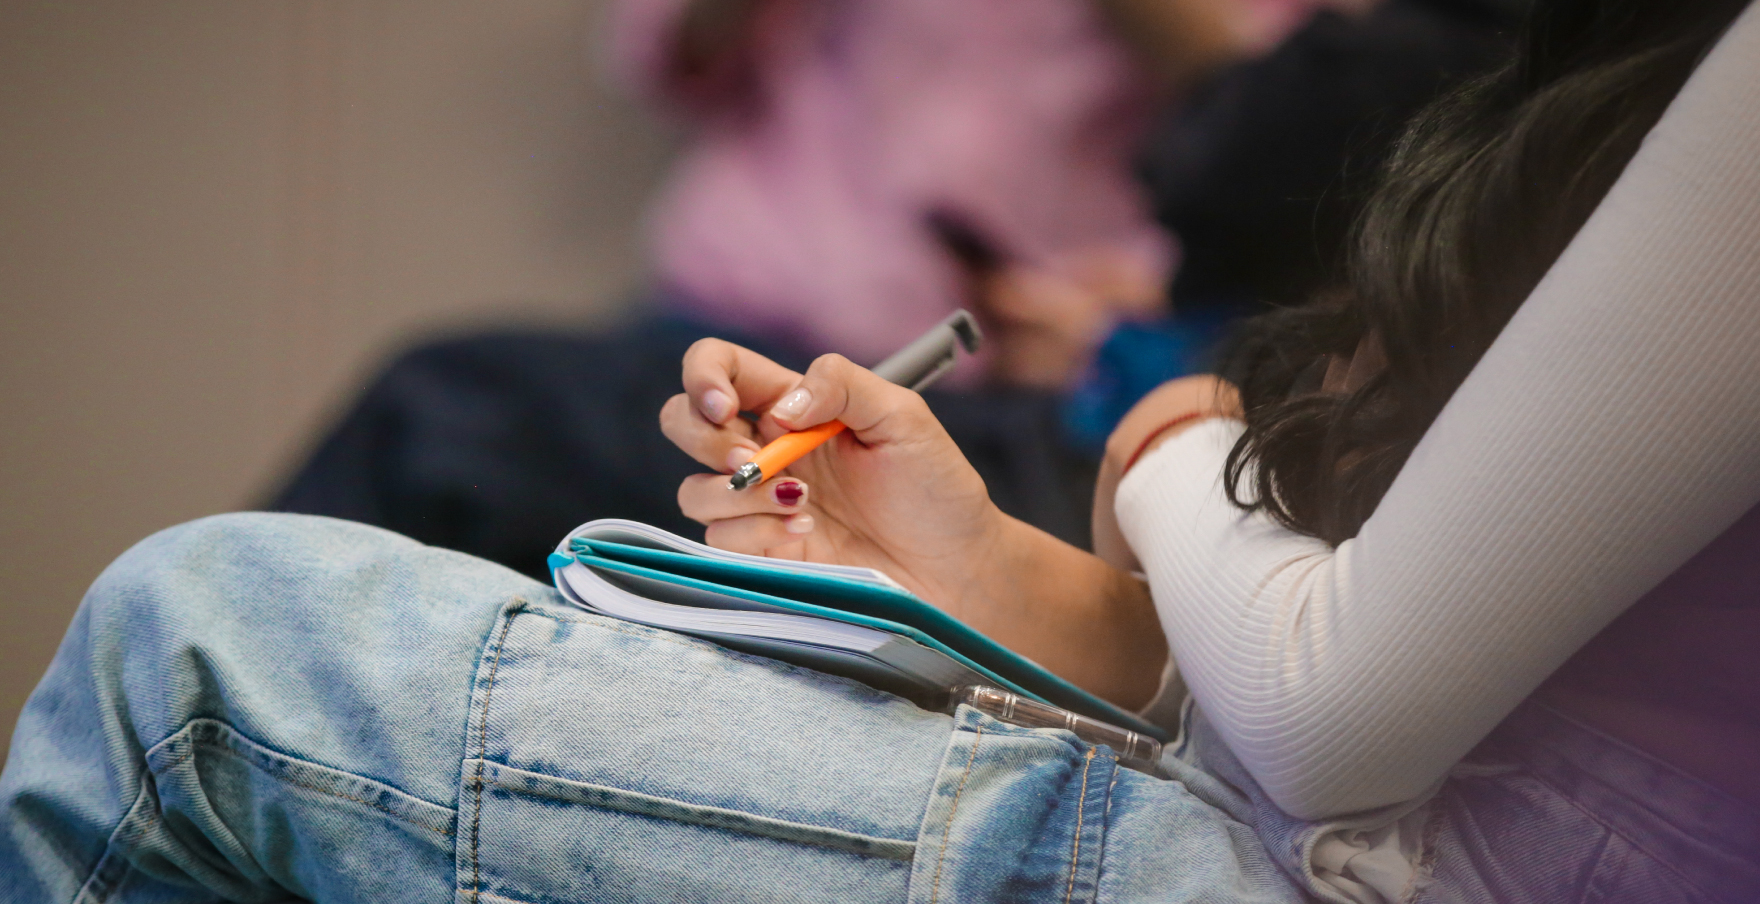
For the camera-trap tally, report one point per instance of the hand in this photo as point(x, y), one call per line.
point(1144, 428)
point(1045, 322)
point(893, 492)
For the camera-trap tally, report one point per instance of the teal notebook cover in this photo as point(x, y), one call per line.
point(867, 604)
point(801, 608)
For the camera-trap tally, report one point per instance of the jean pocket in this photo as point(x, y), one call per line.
point(529, 837)
point(1015, 814)
point(249, 822)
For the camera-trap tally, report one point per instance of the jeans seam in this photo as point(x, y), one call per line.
point(482, 749)
point(1106, 829)
point(1075, 853)
point(1613, 832)
point(622, 800)
point(219, 748)
point(947, 830)
point(108, 872)
point(1600, 854)
point(193, 740)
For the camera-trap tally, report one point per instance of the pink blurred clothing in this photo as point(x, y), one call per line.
point(800, 208)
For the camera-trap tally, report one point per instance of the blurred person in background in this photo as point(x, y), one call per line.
point(852, 173)
point(1263, 170)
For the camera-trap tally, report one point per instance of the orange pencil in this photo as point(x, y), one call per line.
point(783, 451)
point(915, 366)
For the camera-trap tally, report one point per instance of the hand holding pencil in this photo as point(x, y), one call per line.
point(887, 485)
point(914, 367)
point(891, 491)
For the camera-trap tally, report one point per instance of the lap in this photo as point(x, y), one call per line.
point(268, 705)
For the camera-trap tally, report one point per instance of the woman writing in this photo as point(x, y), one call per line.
point(1356, 635)
point(1397, 647)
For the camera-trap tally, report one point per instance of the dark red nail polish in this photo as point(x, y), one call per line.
point(789, 492)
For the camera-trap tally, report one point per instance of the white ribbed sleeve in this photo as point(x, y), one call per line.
point(1611, 431)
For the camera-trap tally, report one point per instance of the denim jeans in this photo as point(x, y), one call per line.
point(268, 707)
point(1545, 809)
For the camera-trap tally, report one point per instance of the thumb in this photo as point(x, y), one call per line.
point(876, 411)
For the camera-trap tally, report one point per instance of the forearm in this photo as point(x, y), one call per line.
point(1069, 611)
point(1609, 433)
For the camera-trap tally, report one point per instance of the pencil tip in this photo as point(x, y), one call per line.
point(748, 474)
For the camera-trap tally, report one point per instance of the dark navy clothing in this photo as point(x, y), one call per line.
point(498, 444)
point(1263, 170)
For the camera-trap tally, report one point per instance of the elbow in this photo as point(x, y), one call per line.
point(1318, 767)
point(1324, 801)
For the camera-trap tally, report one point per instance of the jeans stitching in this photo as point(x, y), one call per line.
point(947, 830)
point(182, 758)
point(219, 748)
point(1105, 829)
point(720, 818)
point(111, 867)
point(1075, 853)
point(1611, 831)
point(193, 740)
point(482, 749)
point(1589, 880)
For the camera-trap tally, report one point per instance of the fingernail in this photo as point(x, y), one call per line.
point(717, 406)
point(792, 405)
point(737, 456)
point(799, 524)
point(789, 492)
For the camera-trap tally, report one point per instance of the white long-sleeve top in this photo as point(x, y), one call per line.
point(1611, 431)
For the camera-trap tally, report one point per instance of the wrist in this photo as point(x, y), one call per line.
point(1073, 613)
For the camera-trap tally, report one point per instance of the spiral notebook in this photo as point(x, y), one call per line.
point(854, 622)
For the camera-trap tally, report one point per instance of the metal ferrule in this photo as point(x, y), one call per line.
point(748, 474)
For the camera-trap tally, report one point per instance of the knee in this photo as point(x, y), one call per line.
point(228, 569)
point(261, 577)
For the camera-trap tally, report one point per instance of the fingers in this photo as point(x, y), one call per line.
point(767, 521)
point(723, 447)
point(834, 388)
point(760, 534)
point(705, 498)
point(723, 379)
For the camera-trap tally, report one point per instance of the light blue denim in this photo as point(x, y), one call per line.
point(275, 707)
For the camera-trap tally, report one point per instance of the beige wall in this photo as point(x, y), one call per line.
point(215, 217)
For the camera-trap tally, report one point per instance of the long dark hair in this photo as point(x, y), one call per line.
point(1479, 198)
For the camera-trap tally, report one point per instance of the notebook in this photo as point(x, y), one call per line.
point(843, 620)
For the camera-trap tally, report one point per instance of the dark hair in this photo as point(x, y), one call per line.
point(1479, 198)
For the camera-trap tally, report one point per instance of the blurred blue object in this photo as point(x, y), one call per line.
point(1135, 359)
